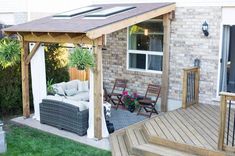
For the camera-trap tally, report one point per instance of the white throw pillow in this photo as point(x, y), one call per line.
point(62, 85)
point(71, 92)
point(72, 84)
point(83, 86)
point(59, 90)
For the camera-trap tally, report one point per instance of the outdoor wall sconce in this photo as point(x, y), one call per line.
point(197, 62)
point(205, 28)
point(146, 32)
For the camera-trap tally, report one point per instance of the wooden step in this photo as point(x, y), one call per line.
point(118, 144)
point(141, 147)
point(156, 140)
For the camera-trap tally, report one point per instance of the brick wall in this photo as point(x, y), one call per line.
point(187, 43)
point(114, 65)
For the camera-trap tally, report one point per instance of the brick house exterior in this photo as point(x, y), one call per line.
point(187, 42)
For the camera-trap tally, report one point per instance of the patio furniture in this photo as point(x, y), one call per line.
point(116, 95)
point(153, 91)
point(74, 90)
point(105, 94)
point(67, 114)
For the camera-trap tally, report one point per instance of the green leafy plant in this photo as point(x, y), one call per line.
point(9, 52)
point(81, 58)
point(50, 89)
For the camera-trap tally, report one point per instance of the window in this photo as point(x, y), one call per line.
point(227, 66)
point(76, 12)
point(145, 46)
point(110, 11)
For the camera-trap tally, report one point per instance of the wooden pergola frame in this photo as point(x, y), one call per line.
point(75, 38)
point(95, 38)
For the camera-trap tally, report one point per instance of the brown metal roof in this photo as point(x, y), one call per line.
point(79, 24)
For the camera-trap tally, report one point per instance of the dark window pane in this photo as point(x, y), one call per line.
point(147, 36)
point(137, 61)
point(155, 62)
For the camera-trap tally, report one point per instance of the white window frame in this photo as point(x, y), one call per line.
point(156, 53)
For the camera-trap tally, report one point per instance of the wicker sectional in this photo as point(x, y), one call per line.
point(64, 116)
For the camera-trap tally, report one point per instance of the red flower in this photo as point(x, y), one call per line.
point(125, 93)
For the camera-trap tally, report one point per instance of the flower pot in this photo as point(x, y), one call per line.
point(131, 108)
point(82, 75)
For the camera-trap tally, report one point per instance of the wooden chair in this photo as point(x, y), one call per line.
point(147, 103)
point(116, 95)
point(106, 98)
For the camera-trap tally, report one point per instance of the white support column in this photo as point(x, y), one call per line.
point(91, 131)
point(38, 77)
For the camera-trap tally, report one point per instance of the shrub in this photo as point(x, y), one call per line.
point(9, 52)
point(56, 63)
point(10, 78)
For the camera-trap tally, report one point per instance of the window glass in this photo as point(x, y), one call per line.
point(145, 49)
point(137, 61)
point(146, 36)
point(155, 62)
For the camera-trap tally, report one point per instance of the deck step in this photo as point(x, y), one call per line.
point(141, 147)
point(169, 144)
point(118, 144)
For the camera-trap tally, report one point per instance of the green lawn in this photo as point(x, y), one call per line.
point(24, 141)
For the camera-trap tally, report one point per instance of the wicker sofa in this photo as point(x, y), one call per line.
point(64, 115)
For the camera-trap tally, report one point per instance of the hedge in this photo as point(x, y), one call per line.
point(10, 80)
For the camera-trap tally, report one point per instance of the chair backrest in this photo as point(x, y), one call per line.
point(119, 85)
point(153, 90)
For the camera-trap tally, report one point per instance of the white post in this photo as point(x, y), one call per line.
point(38, 76)
point(90, 131)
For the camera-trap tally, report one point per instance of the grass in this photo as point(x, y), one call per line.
point(24, 141)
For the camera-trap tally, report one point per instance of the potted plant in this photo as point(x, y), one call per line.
point(130, 101)
point(9, 52)
point(82, 59)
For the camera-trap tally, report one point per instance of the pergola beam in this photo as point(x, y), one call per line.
point(98, 89)
point(55, 37)
point(33, 52)
point(25, 77)
point(38, 34)
point(166, 63)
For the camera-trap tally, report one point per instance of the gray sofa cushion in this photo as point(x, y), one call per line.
point(71, 92)
point(72, 84)
point(80, 96)
point(82, 105)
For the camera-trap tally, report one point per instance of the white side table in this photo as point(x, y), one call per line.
point(108, 108)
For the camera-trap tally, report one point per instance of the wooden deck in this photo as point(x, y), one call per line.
point(191, 131)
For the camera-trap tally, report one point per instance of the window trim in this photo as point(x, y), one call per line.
point(157, 53)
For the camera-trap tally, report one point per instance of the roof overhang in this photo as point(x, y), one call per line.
point(130, 21)
point(51, 30)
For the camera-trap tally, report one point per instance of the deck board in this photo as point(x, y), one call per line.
point(205, 132)
point(164, 128)
point(196, 138)
point(191, 131)
point(197, 125)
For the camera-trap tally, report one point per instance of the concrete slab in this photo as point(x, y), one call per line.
point(101, 144)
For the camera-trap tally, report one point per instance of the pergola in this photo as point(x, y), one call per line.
point(80, 30)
